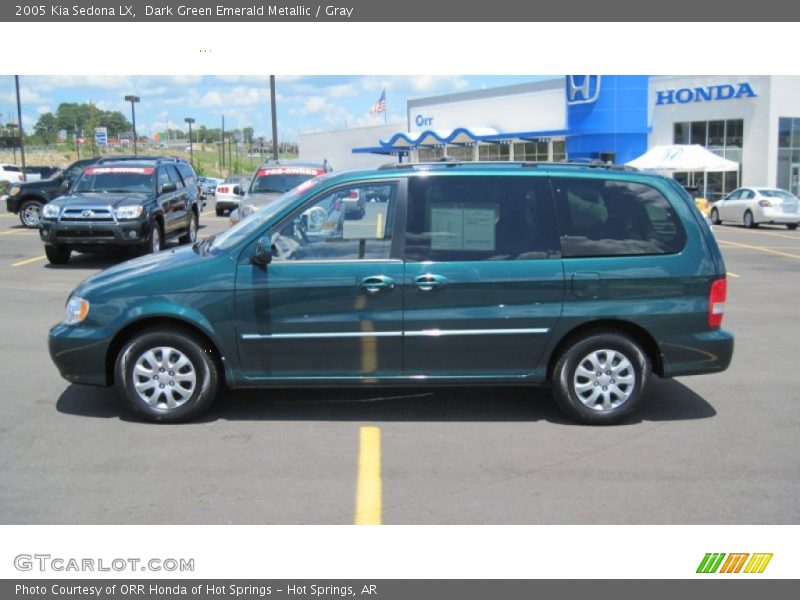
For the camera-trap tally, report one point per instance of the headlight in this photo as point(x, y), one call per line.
point(13, 191)
point(129, 212)
point(76, 310)
point(50, 211)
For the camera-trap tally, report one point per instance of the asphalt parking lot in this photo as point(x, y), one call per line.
point(719, 449)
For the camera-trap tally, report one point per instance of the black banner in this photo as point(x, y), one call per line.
point(196, 11)
point(393, 589)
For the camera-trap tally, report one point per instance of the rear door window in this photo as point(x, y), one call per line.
point(615, 218)
point(454, 218)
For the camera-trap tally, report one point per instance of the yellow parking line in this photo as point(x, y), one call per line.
point(28, 261)
point(732, 274)
point(13, 231)
point(762, 232)
point(208, 212)
point(761, 249)
point(368, 490)
point(4, 215)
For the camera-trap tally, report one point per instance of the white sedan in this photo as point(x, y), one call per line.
point(753, 206)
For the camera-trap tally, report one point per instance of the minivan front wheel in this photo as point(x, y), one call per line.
point(166, 376)
point(599, 378)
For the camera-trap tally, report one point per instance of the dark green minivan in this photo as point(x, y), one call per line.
point(586, 277)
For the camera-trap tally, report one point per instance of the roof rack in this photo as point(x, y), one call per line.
point(522, 164)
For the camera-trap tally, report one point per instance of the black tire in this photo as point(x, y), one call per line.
point(30, 213)
point(623, 398)
point(57, 255)
point(191, 234)
point(792, 226)
point(164, 346)
point(749, 221)
point(220, 212)
point(715, 220)
point(155, 241)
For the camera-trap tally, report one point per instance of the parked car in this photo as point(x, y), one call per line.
point(209, 184)
point(274, 179)
point(753, 206)
point(137, 204)
point(37, 173)
point(229, 194)
point(27, 199)
point(10, 173)
point(587, 278)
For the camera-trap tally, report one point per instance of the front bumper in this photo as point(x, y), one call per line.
point(79, 353)
point(12, 204)
point(76, 233)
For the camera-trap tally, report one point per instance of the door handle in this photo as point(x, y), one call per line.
point(428, 282)
point(376, 283)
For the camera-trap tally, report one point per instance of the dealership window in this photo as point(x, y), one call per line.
point(789, 154)
point(559, 150)
point(532, 151)
point(722, 137)
point(460, 152)
point(430, 153)
point(494, 152)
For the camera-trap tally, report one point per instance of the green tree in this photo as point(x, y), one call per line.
point(46, 128)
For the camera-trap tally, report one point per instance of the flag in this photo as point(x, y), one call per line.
point(380, 105)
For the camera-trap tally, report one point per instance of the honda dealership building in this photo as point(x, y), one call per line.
point(753, 120)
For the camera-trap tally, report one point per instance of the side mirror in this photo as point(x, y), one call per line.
point(262, 255)
point(66, 184)
point(237, 191)
point(168, 187)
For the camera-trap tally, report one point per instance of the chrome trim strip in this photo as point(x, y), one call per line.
point(311, 336)
point(444, 332)
point(376, 334)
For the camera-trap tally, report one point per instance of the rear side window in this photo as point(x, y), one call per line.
point(174, 176)
point(615, 218)
point(454, 218)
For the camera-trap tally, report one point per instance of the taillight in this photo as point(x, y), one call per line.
point(716, 302)
point(764, 203)
point(222, 190)
point(353, 195)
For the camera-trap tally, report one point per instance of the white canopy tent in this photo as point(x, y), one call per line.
point(680, 158)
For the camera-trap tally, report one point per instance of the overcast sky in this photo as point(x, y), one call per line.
point(311, 103)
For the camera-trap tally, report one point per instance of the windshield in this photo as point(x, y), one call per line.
point(776, 194)
point(116, 179)
point(249, 225)
point(281, 180)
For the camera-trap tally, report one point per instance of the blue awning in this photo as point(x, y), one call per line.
point(402, 142)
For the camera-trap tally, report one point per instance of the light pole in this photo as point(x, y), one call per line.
point(133, 100)
point(21, 132)
point(190, 120)
point(11, 127)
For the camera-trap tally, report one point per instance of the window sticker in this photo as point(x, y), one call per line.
point(454, 227)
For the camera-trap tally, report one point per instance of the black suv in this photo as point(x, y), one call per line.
point(27, 199)
point(138, 204)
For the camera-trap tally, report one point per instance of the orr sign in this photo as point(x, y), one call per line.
point(708, 93)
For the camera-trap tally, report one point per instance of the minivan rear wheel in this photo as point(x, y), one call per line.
point(599, 378)
point(166, 375)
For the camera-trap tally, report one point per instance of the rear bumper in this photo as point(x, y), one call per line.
point(228, 204)
point(777, 217)
point(697, 354)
